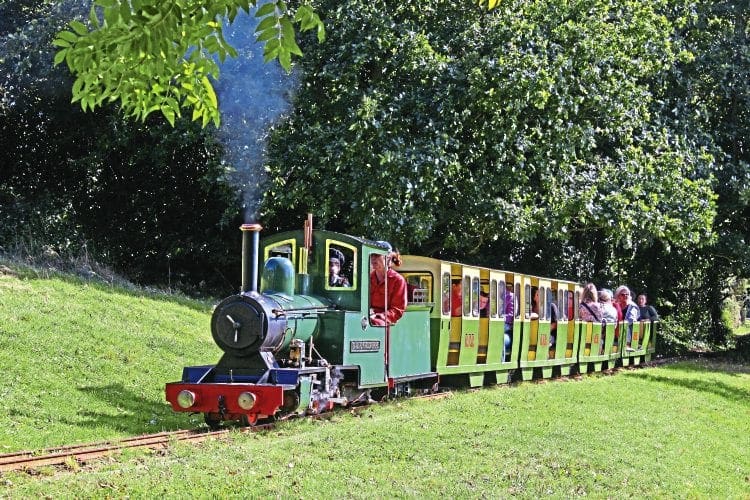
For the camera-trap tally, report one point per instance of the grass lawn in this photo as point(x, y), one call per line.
point(83, 362)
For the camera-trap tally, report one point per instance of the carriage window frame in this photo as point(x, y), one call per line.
point(466, 295)
point(493, 299)
point(550, 301)
point(425, 283)
point(562, 310)
point(542, 306)
point(475, 289)
point(352, 273)
point(527, 301)
point(517, 301)
point(445, 293)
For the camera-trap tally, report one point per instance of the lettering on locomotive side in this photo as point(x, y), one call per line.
point(596, 339)
point(469, 340)
point(543, 340)
point(364, 346)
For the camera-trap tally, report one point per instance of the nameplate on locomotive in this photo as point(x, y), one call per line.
point(364, 346)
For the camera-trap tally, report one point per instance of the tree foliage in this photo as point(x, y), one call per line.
point(161, 56)
point(149, 199)
point(595, 139)
point(447, 128)
point(706, 99)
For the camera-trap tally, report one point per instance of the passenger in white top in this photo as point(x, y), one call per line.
point(609, 313)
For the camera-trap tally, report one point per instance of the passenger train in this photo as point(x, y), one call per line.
point(294, 343)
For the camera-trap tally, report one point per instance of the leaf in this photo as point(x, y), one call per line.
point(169, 114)
point(267, 35)
point(266, 23)
point(79, 28)
point(60, 56)
point(209, 91)
point(285, 59)
point(93, 18)
point(266, 9)
point(68, 36)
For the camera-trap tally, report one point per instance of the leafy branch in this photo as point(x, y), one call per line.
point(161, 56)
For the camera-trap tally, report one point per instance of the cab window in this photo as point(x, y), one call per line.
point(341, 265)
point(284, 248)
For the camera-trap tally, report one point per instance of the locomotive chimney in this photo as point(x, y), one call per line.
point(250, 238)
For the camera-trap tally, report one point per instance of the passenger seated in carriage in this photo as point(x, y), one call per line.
point(630, 311)
point(648, 312)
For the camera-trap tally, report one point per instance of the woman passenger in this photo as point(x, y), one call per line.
point(589, 309)
point(609, 313)
point(630, 312)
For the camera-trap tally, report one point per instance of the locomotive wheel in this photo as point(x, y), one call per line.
point(212, 421)
point(291, 401)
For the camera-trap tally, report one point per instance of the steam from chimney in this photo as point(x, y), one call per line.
point(252, 95)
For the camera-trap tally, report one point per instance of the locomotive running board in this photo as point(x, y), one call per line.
point(392, 381)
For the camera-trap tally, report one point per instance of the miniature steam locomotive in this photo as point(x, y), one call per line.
point(304, 343)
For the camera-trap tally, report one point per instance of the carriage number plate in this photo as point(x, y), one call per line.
point(364, 346)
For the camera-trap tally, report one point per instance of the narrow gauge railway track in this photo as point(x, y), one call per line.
point(82, 453)
point(85, 452)
point(61, 455)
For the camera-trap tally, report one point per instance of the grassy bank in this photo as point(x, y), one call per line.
point(85, 362)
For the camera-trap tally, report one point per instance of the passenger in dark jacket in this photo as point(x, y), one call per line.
point(648, 312)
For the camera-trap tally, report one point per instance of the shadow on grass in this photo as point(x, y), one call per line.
point(734, 394)
point(136, 414)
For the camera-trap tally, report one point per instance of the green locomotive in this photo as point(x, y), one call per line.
point(306, 340)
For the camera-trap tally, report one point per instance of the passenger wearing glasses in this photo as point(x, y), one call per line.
point(630, 311)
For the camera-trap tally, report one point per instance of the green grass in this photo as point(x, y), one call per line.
point(85, 362)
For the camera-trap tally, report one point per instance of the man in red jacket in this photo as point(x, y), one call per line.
point(387, 290)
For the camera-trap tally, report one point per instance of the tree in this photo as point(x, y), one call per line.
point(457, 130)
point(151, 200)
point(156, 55)
point(706, 100)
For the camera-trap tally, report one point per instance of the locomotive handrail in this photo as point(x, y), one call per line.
point(279, 312)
